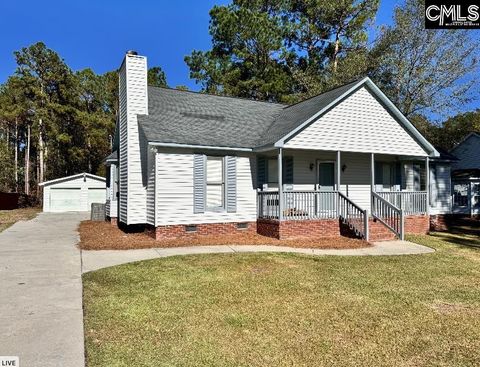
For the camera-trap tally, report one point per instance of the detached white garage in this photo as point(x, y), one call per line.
point(73, 193)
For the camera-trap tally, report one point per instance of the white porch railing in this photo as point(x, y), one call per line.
point(298, 205)
point(353, 216)
point(312, 205)
point(411, 202)
point(267, 205)
point(387, 213)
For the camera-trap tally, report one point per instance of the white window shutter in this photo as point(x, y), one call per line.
point(199, 176)
point(231, 181)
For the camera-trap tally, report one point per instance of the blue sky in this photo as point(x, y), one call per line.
point(96, 33)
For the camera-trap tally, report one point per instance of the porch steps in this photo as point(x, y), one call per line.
point(379, 232)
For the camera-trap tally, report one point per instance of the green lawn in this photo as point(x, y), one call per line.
point(289, 310)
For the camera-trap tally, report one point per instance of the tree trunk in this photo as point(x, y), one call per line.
point(40, 152)
point(89, 155)
point(16, 155)
point(335, 53)
point(27, 163)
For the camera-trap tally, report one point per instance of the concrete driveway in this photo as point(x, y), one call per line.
point(41, 318)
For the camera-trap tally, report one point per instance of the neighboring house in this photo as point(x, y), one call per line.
point(466, 176)
point(73, 193)
point(344, 161)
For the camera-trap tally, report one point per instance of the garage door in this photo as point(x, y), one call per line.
point(65, 200)
point(96, 196)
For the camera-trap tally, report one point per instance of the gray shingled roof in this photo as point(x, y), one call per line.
point(184, 117)
point(113, 156)
point(445, 155)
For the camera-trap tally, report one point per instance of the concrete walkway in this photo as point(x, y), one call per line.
point(94, 260)
point(41, 318)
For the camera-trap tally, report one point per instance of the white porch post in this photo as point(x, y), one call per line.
point(339, 170)
point(338, 182)
point(372, 178)
point(280, 185)
point(427, 182)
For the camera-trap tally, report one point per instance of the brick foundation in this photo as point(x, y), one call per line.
point(417, 224)
point(299, 228)
point(171, 232)
point(439, 222)
point(268, 228)
point(113, 221)
point(443, 222)
point(325, 228)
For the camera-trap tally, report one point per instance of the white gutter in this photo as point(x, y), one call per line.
point(193, 146)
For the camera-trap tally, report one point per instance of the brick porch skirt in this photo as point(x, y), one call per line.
point(171, 232)
point(439, 222)
point(325, 228)
point(328, 228)
point(417, 224)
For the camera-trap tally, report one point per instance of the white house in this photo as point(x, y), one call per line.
point(73, 193)
point(466, 176)
point(346, 161)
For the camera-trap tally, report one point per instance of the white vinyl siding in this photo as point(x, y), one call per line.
point(355, 180)
point(414, 176)
point(111, 205)
point(151, 179)
point(358, 124)
point(174, 192)
point(96, 195)
point(440, 188)
point(133, 101)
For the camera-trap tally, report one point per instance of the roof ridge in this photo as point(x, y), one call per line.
point(354, 81)
point(221, 96)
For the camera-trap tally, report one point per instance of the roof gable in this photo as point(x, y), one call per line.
point(73, 177)
point(468, 152)
point(336, 96)
point(358, 123)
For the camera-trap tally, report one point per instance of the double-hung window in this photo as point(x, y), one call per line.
point(215, 183)
point(272, 171)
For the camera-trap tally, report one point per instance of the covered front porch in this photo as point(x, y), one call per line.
point(350, 188)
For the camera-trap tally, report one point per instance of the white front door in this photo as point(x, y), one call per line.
point(326, 199)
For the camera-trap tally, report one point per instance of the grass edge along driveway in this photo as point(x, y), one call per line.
point(289, 310)
point(10, 217)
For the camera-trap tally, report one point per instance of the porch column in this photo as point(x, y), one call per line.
point(427, 182)
point(372, 179)
point(338, 170)
point(339, 208)
point(280, 185)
